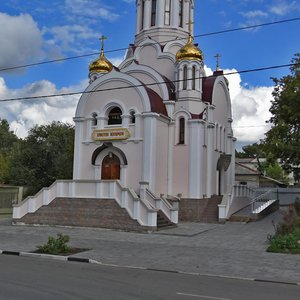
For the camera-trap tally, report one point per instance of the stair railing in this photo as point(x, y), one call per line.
point(262, 201)
point(162, 204)
point(137, 208)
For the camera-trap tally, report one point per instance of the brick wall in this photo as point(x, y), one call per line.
point(80, 212)
point(191, 210)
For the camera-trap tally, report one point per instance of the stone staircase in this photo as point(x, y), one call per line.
point(163, 222)
point(211, 211)
point(83, 212)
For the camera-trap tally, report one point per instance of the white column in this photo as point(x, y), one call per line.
point(149, 150)
point(186, 15)
point(138, 124)
point(170, 157)
point(79, 123)
point(147, 14)
point(139, 15)
point(160, 13)
point(180, 79)
point(123, 175)
point(209, 157)
point(125, 120)
point(175, 14)
point(195, 159)
point(102, 122)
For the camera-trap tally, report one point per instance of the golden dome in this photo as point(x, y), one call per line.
point(102, 64)
point(189, 52)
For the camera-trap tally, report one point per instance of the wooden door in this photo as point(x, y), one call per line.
point(110, 167)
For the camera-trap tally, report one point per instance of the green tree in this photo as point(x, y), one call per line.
point(45, 155)
point(7, 142)
point(283, 139)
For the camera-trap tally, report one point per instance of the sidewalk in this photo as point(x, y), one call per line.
point(231, 249)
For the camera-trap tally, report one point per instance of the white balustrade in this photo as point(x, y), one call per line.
point(137, 208)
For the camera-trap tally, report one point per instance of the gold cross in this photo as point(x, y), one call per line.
point(218, 56)
point(102, 39)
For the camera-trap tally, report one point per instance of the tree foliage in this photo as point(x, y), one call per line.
point(283, 139)
point(45, 155)
point(7, 142)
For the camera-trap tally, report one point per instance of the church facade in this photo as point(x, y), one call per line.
point(149, 133)
point(157, 120)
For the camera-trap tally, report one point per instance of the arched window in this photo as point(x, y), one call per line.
point(185, 77)
point(193, 78)
point(132, 117)
point(153, 13)
point(115, 116)
point(168, 12)
point(180, 13)
point(94, 120)
point(181, 131)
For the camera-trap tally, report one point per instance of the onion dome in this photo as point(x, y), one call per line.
point(102, 64)
point(189, 51)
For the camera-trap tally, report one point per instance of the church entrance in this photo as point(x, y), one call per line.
point(110, 167)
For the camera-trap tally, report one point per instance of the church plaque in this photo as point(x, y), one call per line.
point(110, 134)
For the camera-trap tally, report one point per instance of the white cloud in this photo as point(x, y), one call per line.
point(21, 40)
point(250, 108)
point(72, 36)
point(24, 114)
point(283, 7)
point(254, 14)
point(90, 9)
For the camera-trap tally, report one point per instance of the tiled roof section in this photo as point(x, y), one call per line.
point(133, 47)
point(156, 102)
point(170, 87)
point(245, 170)
point(198, 116)
point(208, 86)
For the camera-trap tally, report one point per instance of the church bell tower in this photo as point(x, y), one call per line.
point(163, 20)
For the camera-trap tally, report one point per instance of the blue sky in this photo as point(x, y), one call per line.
point(37, 30)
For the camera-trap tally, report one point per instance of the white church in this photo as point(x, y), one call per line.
point(153, 136)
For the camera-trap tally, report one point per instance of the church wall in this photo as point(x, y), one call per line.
point(180, 170)
point(148, 80)
point(148, 56)
point(126, 98)
point(222, 110)
point(161, 177)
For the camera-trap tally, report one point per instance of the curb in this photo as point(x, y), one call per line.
point(92, 261)
point(50, 256)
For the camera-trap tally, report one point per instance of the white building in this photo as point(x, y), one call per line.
point(157, 123)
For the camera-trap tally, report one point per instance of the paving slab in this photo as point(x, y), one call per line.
point(230, 249)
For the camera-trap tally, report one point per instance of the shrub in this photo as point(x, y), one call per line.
point(288, 243)
point(55, 245)
point(289, 222)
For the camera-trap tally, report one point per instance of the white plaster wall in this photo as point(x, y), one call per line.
point(180, 170)
point(162, 64)
point(162, 158)
point(222, 103)
point(124, 97)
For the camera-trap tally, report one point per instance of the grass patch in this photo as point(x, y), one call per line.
point(287, 234)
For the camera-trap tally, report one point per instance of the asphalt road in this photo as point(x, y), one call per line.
point(23, 278)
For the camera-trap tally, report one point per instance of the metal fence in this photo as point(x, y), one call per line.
point(9, 195)
point(285, 196)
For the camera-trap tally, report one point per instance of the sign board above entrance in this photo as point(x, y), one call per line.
point(111, 134)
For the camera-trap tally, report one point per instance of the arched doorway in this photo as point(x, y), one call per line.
point(110, 167)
